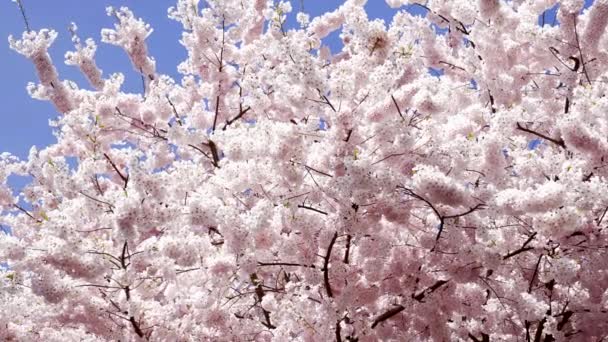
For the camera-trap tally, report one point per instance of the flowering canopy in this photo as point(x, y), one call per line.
point(280, 192)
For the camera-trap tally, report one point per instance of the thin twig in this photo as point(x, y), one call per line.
point(580, 51)
point(177, 118)
point(398, 109)
point(311, 208)
point(522, 249)
point(22, 9)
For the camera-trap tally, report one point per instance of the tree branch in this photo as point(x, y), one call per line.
point(326, 265)
point(522, 249)
point(388, 314)
point(398, 109)
point(559, 142)
point(124, 178)
point(419, 297)
point(311, 208)
point(535, 273)
point(347, 251)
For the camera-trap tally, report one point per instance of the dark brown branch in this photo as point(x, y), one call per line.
point(580, 51)
point(419, 297)
point(238, 116)
point(539, 330)
point(136, 327)
point(329, 103)
point(601, 218)
point(123, 256)
point(97, 185)
point(98, 200)
point(398, 109)
point(326, 265)
point(565, 318)
point(221, 59)
point(388, 314)
point(124, 178)
point(201, 151)
point(214, 153)
point(217, 110)
point(478, 206)
point(555, 54)
point(317, 171)
point(347, 251)
point(522, 249)
point(311, 208)
point(259, 291)
point(452, 65)
point(388, 157)
point(411, 193)
point(535, 273)
point(491, 101)
point(338, 331)
point(325, 100)
point(441, 217)
point(559, 142)
point(27, 213)
point(348, 134)
point(177, 118)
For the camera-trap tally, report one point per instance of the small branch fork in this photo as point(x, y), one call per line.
point(412, 122)
point(125, 178)
point(242, 111)
point(123, 261)
point(259, 292)
point(303, 206)
point(442, 218)
point(214, 157)
point(523, 248)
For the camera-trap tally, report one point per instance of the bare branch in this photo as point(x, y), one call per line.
point(398, 109)
point(535, 273)
point(326, 265)
point(388, 314)
point(311, 208)
point(420, 296)
point(522, 249)
point(124, 178)
point(559, 142)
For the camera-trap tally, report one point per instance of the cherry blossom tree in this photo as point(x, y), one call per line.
point(280, 192)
